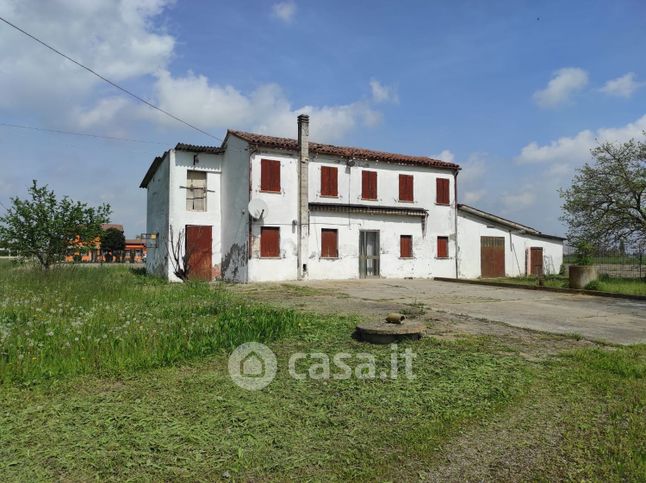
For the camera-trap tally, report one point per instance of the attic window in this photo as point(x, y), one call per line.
point(195, 190)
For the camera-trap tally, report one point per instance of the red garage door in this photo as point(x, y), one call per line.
point(198, 249)
point(492, 256)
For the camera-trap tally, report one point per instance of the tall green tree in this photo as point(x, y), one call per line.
point(45, 227)
point(113, 242)
point(606, 204)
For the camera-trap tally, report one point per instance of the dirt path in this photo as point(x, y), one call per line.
point(533, 345)
point(470, 308)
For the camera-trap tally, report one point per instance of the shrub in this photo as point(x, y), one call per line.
point(594, 285)
point(583, 253)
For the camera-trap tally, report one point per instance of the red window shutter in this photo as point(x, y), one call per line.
point(369, 185)
point(269, 175)
point(329, 243)
point(329, 181)
point(442, 191)
point(442, 247)
point(406, 246)
point(269, 241)
point(405, 187)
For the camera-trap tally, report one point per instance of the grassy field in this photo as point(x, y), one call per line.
point(625, 286)
point(110, 320)
point(166, 409)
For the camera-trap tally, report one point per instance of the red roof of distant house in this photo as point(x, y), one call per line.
point(342, 151)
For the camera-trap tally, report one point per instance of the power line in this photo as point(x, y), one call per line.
point(73, 133)
point(153, 106)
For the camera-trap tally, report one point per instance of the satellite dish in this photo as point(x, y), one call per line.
point(257, 208)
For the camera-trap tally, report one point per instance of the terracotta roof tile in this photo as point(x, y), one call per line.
point(194, 148)
point(342, 151)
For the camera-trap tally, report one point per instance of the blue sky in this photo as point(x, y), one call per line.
point(516, 92)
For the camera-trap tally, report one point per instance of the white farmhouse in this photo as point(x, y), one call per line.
point(263, 208)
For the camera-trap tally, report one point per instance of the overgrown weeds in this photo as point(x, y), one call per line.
point(111, 320)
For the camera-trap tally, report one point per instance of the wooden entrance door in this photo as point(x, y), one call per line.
point(492, 256)
point(199, 250)
point(368, 254)
point(536, 261)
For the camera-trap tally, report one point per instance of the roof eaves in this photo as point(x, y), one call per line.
point(194, 148)
point(368, 209)
point(342, 151)
point(505, 222)
point(152, 169)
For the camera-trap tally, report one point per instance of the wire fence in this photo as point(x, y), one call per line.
point(615, 264)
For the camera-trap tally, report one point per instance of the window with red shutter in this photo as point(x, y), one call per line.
point(369, 185)
point(270, 175)
point(406, 246)
point(442, 247)
point(329, 243)
point(269, 241)
point(329, 181)
point(442, 191)
point(405, 187)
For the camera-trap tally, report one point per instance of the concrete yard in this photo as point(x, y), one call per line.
point(474, 308)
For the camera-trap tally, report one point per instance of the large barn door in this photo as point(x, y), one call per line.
point(199, 249)
point(536, 261)
point(492, 256)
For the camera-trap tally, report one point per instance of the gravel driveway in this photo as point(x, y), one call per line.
point(602, 319)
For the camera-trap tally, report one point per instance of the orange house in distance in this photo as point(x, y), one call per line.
point(134, 252)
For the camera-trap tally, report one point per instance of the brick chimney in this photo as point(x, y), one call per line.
point(303, 193)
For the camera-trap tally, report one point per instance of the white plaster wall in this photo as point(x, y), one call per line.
point(552, 251)
point(157, 204)
point(423, 264)
point(441, 218)
point(471, 228)
point(282, 213)
point(179, 216)
point(235, 218)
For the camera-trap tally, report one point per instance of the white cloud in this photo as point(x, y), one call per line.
point(623, 86)
point(444, 155)
point(519, 200)
point(471, 187)
point(122, 42)
point(383, 93)
point(118, 41)
point(576, 149)
point(103, 112)
point(266, 109)
point(563, 84)
point(474, 196)
point(284, 11)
